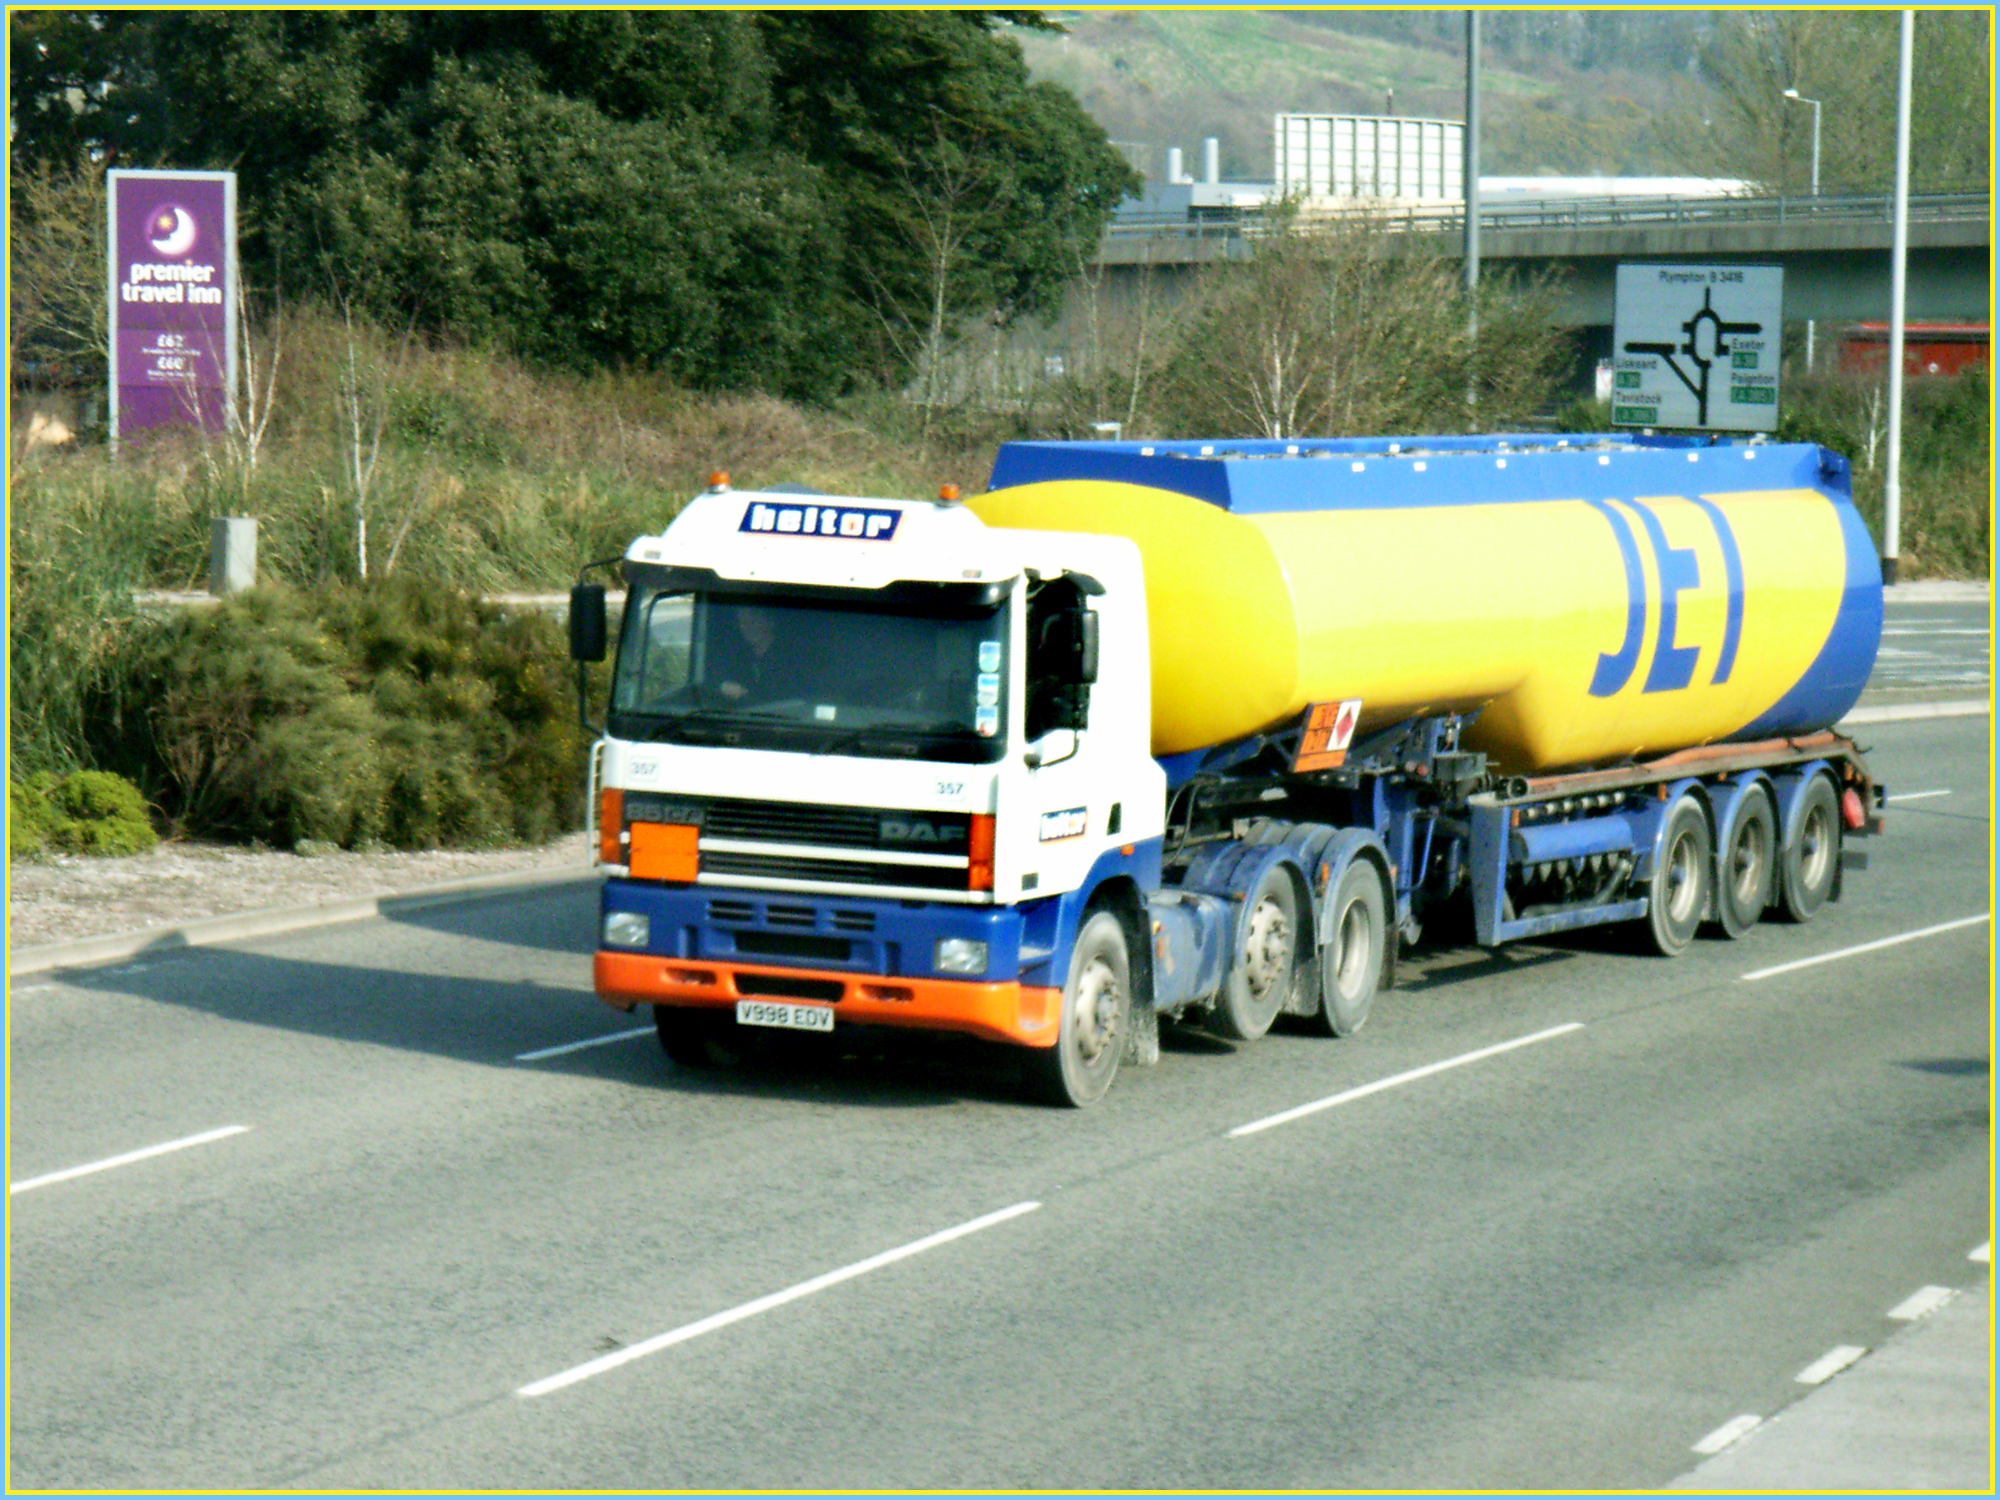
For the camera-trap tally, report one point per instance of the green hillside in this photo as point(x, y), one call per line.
point(1564, 92)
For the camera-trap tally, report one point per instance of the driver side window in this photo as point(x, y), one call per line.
point(663, 669)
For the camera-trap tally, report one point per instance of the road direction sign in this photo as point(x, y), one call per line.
point(1697, 346)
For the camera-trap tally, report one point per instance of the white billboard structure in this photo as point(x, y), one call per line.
point(1369, 158)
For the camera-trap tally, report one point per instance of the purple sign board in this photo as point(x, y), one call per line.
point(173, 300)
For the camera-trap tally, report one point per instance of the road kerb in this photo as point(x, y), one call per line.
point(238, 926)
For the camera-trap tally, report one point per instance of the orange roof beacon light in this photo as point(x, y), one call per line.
point(948, 493)
point(718, 480)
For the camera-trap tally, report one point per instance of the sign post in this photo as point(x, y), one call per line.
point(172, 253)
point(1697, 346)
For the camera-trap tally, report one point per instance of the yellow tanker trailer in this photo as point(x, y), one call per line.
point(1206, 730)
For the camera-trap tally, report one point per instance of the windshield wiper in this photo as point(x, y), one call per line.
point(711, 721)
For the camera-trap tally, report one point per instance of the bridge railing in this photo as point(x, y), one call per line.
point(1500, 216)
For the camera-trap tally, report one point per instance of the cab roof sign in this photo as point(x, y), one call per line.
point(854, 523)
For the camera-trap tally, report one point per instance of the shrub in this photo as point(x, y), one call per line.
point(85, 812)
point(28, 815)
point(388, 713)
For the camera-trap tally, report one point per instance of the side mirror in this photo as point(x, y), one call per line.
point(1086, 645)
point(586, 622)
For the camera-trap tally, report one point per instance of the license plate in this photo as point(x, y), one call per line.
point(784, 1014)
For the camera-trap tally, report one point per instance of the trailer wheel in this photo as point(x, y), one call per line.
point(1096, 1017)
point(1811, 856)
point(1350, 965)
point(1747, 866)
point(1681, 870)
point(1267, 965)
point(695, 1037)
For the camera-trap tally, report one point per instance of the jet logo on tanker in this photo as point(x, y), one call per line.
point(1678, 569)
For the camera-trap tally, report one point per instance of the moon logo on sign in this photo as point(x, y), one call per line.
point(171, 230)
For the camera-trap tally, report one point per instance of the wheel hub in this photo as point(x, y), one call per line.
point(1096, 1009)
point(1267, 951)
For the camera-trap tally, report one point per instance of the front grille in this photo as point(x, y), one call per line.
point(749, 821)
point(833, 871)
point(789, 987)
point(737, 911)
point(823, 950)
point(790, 823)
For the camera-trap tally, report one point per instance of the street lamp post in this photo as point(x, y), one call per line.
point(1802, 99)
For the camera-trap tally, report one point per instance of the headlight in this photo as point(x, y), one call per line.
point(627, 929)
point(960, 956)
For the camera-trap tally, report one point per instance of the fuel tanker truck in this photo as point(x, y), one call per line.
point(1207, 732)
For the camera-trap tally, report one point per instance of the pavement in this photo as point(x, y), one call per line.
point(1914, 1415)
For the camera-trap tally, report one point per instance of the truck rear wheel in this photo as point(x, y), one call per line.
point(1096, 1019)
point(1747, 864)
point(1267, 963)
point(1681, 871)
point(1811, 856)
point(1350, 965)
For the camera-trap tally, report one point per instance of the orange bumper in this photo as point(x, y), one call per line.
point(1011, 1012)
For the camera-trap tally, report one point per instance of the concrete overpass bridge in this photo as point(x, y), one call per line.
point(1835, 249)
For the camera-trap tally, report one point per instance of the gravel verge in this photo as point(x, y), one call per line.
point(66, 898)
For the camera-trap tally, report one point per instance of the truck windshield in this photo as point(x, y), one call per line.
point(773, 671)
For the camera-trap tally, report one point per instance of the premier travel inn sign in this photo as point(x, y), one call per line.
point(172, 252)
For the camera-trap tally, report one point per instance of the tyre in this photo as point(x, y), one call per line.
point(1681, 870)
point(1746, 867)
point(1350, 965)
point(694, 1037)
point(1267, 962)
point(1811, 856)
point(1096, 1019)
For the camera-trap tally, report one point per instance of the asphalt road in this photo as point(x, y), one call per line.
point(1933, 641)
point(431, 1253)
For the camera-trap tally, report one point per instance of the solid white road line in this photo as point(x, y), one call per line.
point(764, 1304)
point(1983, 1253)
point(127, 1158)
point(1890, 713)
point(1734, 1430)
point(1922, 1303)
point(1887, 942)
point(1917, 796)
point(1287, 1116)
point(595, 1041)
point(1829, 1364)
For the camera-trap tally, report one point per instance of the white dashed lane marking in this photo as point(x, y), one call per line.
point(126, 1159)
point(1732, 1431)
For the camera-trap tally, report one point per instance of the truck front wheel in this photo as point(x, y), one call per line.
point(1350, 965)
point(1681, 871)
point(1096, 1019)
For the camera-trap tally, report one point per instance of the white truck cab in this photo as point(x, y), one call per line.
point(863, 762)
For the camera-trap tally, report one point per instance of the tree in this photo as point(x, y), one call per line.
point(1848, 61)
point(718, 195)
point(1338, 332)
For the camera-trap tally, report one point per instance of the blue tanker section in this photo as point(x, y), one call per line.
point(1833, 683)
point(1267, 477)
